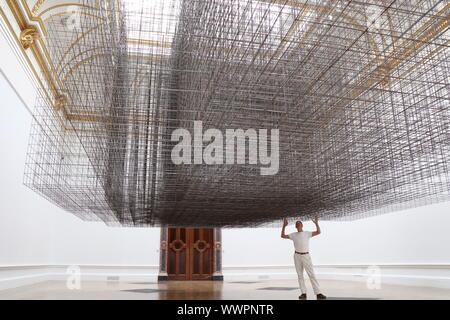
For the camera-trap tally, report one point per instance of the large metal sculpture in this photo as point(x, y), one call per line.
point(359, 91)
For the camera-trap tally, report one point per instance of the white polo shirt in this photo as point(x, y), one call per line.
point(301, 240)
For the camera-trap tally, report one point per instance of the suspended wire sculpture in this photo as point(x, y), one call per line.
point(359, 91)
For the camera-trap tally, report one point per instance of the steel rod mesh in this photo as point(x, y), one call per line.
point(358, 89)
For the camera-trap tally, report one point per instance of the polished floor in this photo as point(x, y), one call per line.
point(201, 290)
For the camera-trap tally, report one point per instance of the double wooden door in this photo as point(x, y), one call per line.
point(190, 254)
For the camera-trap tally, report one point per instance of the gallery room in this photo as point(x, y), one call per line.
point(224, 150)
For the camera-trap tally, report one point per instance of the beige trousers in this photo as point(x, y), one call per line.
point(303, 262)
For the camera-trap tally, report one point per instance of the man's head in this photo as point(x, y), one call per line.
point(299, 226)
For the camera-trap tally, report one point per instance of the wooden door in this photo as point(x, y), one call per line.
point(190, 254)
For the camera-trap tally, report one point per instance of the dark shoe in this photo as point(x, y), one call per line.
point(321, 297)
point(303, 296)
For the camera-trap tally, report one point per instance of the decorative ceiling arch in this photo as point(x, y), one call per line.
point(65, 5)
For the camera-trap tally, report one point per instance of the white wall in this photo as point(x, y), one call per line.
point(414, 236)
point(26, 221)
point(32, 229)
point(34, 234)
point(409, 247)
point(86, 243)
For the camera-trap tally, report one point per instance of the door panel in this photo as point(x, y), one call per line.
point(201, 248)
point(190, 254)
point(178, 254)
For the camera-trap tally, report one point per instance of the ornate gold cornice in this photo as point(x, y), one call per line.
point(37, 6)
point(27, 40)
point(28, 36)
point(61, 102)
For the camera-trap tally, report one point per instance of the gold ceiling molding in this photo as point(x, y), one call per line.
point(18, 16)
point(427, 57)
point(288, 37)
point(28, 36)
point(37, 6)
point(426, 33)
point(58, 101)
point(21, 20)
point(79, 39)
point(60, 68)
point(61, 102)
point(69, 13)
point(77, 65)
point(32, 15)
point(385, 66)
point(23, 24)
point(66, 5)
point(45, 64)
point(25, 55)
point(325, 10)
point(296, 24)
point(92, 116)
point(31, 65)
point(151, 43)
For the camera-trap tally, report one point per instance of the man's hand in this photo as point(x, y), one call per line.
point(316, 222)
point(283, 235)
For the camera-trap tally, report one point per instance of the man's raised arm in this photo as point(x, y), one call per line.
point(283, 235)
point(317, 232)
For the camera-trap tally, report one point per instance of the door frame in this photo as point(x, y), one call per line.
point(216, 255)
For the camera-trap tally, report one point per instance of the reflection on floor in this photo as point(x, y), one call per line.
point(278, 288)
point(204, 290)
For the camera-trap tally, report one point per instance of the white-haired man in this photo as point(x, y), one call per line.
point(302, 257)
